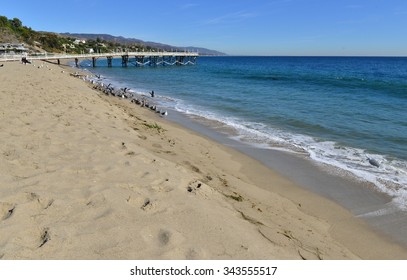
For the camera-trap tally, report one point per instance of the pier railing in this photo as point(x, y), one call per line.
point(179, 57)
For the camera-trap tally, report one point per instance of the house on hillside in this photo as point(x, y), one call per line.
point(11, 49)
point(78, 41)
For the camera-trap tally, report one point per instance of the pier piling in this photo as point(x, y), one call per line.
point(109, 61)
point(125, 60)
point(94, 62)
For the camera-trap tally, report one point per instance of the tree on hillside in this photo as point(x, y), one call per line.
point(16, 23)
point(50, 41)
point(3, 21)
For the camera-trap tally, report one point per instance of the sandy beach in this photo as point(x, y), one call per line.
point(90, 176)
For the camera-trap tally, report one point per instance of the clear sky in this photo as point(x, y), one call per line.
point(236, 27)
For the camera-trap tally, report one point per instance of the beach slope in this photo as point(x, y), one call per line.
point(87, 176)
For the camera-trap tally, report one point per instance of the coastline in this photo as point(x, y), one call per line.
point(357, 196)
point(127, 178)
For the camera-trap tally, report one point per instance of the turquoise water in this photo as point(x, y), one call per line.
point(337, 110)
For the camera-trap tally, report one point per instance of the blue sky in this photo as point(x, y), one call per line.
point(236, 27)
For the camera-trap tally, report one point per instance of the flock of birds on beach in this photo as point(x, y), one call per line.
point(124, 93)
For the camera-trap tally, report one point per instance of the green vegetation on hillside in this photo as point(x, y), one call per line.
point(13, 29)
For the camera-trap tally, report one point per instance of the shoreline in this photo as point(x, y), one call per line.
point(357, 196)
point(351, 192)
point(115, 154)
point(310, 198)
point(363, 200)
point(347, 153)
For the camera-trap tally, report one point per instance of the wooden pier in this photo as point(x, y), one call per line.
point(127, 58)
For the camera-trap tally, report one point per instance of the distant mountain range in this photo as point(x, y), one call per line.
point(129, 41)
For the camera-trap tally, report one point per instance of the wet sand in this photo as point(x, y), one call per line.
point(355, 195)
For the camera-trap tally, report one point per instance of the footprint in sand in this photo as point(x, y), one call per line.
point(96, 200)
point(44, 202)
point(147, 205)
point(10, 154)
point(45, 237)
point(6, 210)
point(131, 153)
point(164, 237)
point(194, 186)
point(32, 196)
point(192, 167)
point(195, 254)
point(155, 145)
point(201, 190)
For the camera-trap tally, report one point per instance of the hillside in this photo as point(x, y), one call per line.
point(131, 41)
point(13, 31)
point(7, 35)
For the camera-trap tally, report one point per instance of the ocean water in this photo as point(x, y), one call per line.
point(338, 111)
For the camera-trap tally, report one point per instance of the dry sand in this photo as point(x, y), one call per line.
point(87, 176)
